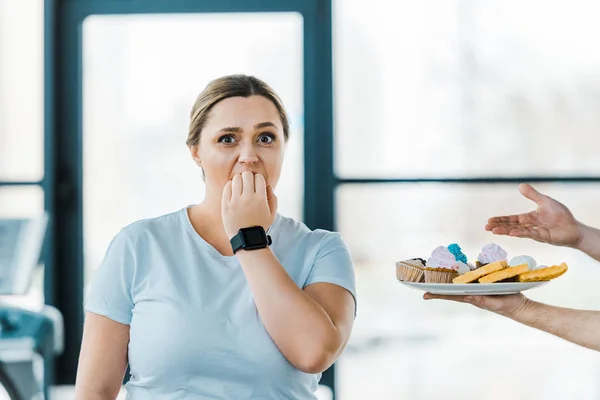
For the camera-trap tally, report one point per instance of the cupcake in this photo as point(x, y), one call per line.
point(461, 259)
point(491, 253)
point(412, 270)
point(457, 253)
point(441, 267)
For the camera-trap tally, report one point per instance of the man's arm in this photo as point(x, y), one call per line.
point(581, 327)
point(589, 241)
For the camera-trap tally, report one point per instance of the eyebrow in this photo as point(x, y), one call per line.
point(232, 129)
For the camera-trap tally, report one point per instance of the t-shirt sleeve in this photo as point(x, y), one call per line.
point(333, 264)
point(109, 293)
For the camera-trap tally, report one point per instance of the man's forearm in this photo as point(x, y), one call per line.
point(589, 242)
point(581, 327)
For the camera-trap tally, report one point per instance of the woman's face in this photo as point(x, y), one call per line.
point(241, 134)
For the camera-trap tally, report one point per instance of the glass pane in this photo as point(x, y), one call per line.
point(136, 108)
point(21, 90)
point(412, 349)
point(21, 201)
point(24, 202)
point(472, 89)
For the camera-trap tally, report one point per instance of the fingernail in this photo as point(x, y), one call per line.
point(468, 299)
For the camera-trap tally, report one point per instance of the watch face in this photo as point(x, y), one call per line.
point(254, 237)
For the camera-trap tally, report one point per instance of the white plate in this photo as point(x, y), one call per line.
point(474, 288)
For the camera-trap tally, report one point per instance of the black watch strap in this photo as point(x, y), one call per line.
point(238, 243)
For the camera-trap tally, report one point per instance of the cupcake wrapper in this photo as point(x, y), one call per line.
point(414, 263)
point(408, 273)
point(434, 276)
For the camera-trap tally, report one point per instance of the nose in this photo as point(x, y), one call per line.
point(248, 155)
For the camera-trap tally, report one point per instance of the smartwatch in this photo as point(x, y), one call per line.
point(252, 238)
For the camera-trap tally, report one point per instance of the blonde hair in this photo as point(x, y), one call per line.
point(223, 88)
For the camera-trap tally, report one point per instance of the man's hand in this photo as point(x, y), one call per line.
point(508, 305)
point(552, 222)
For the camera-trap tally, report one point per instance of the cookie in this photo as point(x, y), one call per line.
point(505, 274)
point(543, 274)
point(479, 272)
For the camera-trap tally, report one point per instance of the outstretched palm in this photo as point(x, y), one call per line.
point(552, 222)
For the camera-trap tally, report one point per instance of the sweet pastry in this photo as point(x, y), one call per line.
point(518, 260)
point(544, 274)
point(441, 267)
point(412, 270)
point(473, 276)
point(490, 253)
point(503, 274)
point(457, 253)
point(463, 268)
point(450, 265)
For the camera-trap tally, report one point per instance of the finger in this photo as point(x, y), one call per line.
point(497, 230)
point(514, 231)
point(248, 183)
point(504, 219)
point(271, 199)
point(226, 198)
point(479, 301)
point(260, 186)
point(519, 232)
point(511, 225)
point(525, 220)
point(431, 296)
point(504, 229)
point(532, 194)
point(236, 186)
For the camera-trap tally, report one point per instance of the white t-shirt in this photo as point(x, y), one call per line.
point(195, 332)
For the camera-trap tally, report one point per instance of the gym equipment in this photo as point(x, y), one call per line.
point(29, 338)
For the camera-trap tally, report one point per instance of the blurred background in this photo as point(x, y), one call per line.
point(412, 123)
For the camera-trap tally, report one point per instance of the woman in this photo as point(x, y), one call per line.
point(195, 319)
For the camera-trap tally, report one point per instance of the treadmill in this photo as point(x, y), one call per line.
point(30, 337)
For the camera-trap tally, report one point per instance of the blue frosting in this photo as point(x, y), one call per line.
point(457, 253)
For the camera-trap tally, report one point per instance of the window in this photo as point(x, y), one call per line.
point(461, 90)
point(21, 90)
point(22, 120)
point(136, 109)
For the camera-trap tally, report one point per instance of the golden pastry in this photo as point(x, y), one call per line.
point(504, 274)
point(472, 276)
point(544, 274)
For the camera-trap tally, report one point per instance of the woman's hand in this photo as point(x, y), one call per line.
point(552, 222)
point(508, 305)
point(247, 201)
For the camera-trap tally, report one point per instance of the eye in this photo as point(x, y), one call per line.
point(267, 138)
point(227, 139)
